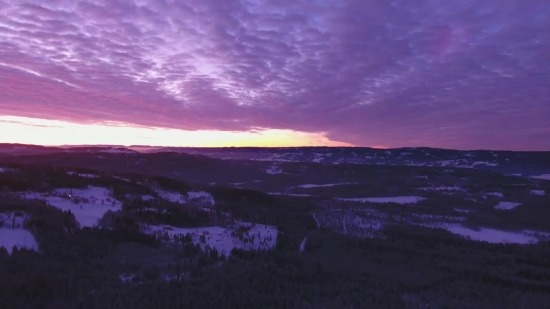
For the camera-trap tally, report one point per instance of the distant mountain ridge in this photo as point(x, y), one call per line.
point(23, 149)
point(526, 163)
point(522, 163)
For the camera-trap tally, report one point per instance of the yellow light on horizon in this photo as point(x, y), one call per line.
point(25, 130)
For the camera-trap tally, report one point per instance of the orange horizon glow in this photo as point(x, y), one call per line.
point(36, 131)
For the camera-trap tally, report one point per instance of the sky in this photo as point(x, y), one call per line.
point(468, 74)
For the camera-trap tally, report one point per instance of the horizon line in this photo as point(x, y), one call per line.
point(68, 146)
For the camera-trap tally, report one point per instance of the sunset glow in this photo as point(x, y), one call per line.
point(54, 132)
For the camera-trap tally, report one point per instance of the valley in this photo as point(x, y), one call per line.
point(307, 227)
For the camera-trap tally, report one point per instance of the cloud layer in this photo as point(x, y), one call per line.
point(460, 74)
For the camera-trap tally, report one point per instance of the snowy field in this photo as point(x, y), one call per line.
point(538, 192)
point(241, 235)
point(190, 197)
point(392, 199)
point(310, 186)
point(506, 205)
point(89, 176)
point(289, 194)
point(364, 223)
point(368, 223)
point(462, 210)
point(87, 205)
point(200, 196)
point(174, 197)
point(493, 194)
point(12, 233)
point(460, 163)
point(543, 176)
point(17, 238)
point(444, 189)
point(493, 235)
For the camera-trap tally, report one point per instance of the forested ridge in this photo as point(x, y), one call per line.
point(116, 266)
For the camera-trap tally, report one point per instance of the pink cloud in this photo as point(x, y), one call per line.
point(429, 73)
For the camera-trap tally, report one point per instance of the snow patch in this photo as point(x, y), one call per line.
point(483, 163)
point(191, 196)
point(7, 170)
point(289, 194)
point(200, 196)
point(316, 221)
point(274, 170)
point(87, 205)
point(90, 176)
point(543, 176)
point(538, 192)
point(125, 278)
point(506, 205)
point(363, 223)
point(462, 163)
point(319, 157)
point(462, 210)
point(493, 194)
point(173, 277)
point(13, 219)
point(445, 163)
point(117, 150)
point(492, 235)
point(241, 235)
point(146, 197)
point(394, 199)
point(442, 188)
point(303, 245)
point(174, 197)
point(17, 238)
point(309, 186)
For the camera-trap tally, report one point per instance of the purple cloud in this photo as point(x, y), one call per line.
point(459, 74)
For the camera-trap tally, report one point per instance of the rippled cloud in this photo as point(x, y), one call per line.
point(461, 74)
